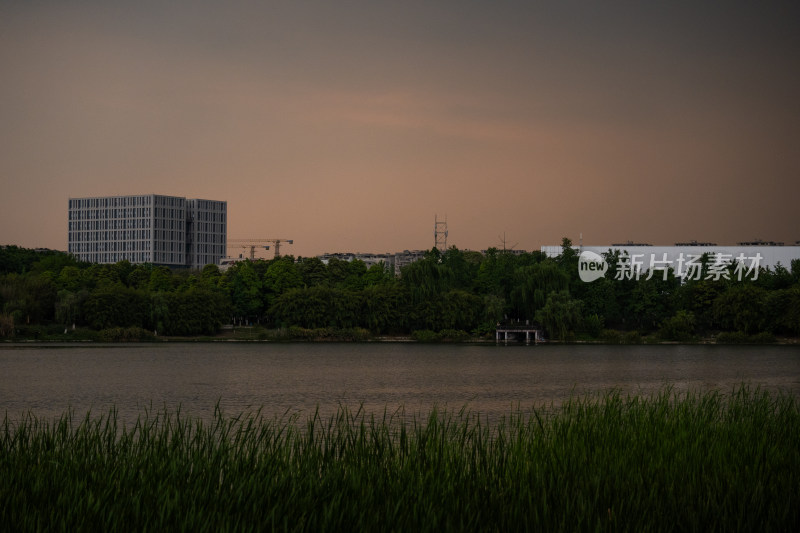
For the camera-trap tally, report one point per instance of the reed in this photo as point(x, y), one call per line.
point(666, 462)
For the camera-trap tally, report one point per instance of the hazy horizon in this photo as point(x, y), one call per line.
point(349, 126)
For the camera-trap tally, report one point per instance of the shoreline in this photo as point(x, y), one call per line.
point(400, 339)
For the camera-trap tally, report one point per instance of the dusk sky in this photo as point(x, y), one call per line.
point(349, 125)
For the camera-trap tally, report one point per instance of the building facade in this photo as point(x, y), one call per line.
point(394, 263)
point(206, 232)
point(163, 230)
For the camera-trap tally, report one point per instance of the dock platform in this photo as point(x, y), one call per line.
point(515, 333)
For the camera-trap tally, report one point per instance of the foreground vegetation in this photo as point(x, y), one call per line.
point(696, 462)
point(447, 292)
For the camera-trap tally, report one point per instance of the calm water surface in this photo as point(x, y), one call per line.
point(280, 378)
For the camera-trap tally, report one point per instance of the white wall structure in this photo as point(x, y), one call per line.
point(163, 230)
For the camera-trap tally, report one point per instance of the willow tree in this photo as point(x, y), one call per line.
point(532, 285)
point(560, 315)
point(427, 278)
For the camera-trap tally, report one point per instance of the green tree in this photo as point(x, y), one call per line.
point(741, 308)
point(462, 310)
point(102, 276)
point(463, 265)
point(378, 274)
point(343, 308)
point(698, 297)
point(533, 284)
point(680, 327)
point(427, 278)
point(55, 262)
point(116, 306)
point(195, 311)
point(346, 274)
point(6, 325)
point(244, 290)
point(139, 277)
point(29, 298)
point(312, 271)
point(790, 320)
point(69, 305)
point(210, 277)
point(494, 308)
point(568, 260)
point(383, 308)
point(306, 307)
point(602, 298)
point(16, 260)
point(281, 275)
point(161, 280)
point(496, 274)
point(70, 279)
point(775, 279)
point(560, 315)
point(160, 304)
point(650, 302)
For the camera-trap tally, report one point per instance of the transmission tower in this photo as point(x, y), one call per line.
point(440, 234)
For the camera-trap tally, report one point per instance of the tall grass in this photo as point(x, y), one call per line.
point(683, 462)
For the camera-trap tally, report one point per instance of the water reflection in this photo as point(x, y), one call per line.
point(299, 378)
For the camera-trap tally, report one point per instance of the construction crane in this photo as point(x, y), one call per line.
point(259, 243)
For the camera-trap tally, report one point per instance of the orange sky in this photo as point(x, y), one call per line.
point(347, 126)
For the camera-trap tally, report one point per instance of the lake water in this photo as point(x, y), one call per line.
point(48, 379)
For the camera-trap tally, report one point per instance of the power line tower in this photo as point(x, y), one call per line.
point(503, 242)
point(440, 233)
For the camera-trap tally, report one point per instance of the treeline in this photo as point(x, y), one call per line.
point(454, 291)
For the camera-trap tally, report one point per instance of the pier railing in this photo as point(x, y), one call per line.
point(515, 332)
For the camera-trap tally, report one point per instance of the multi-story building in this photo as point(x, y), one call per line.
point(163, 230)
point(206, 232)
point(392, 262)
point(405, 258)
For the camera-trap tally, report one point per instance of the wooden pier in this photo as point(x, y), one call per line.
point(516, 332)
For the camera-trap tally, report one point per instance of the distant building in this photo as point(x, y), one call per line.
point(368, 259)
point(405, 258)
point(392, 262)
point(695, 243)
point(759, 242)
point(206, 232)
point(511, 251)
point(631, 243)
point(163, 230)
